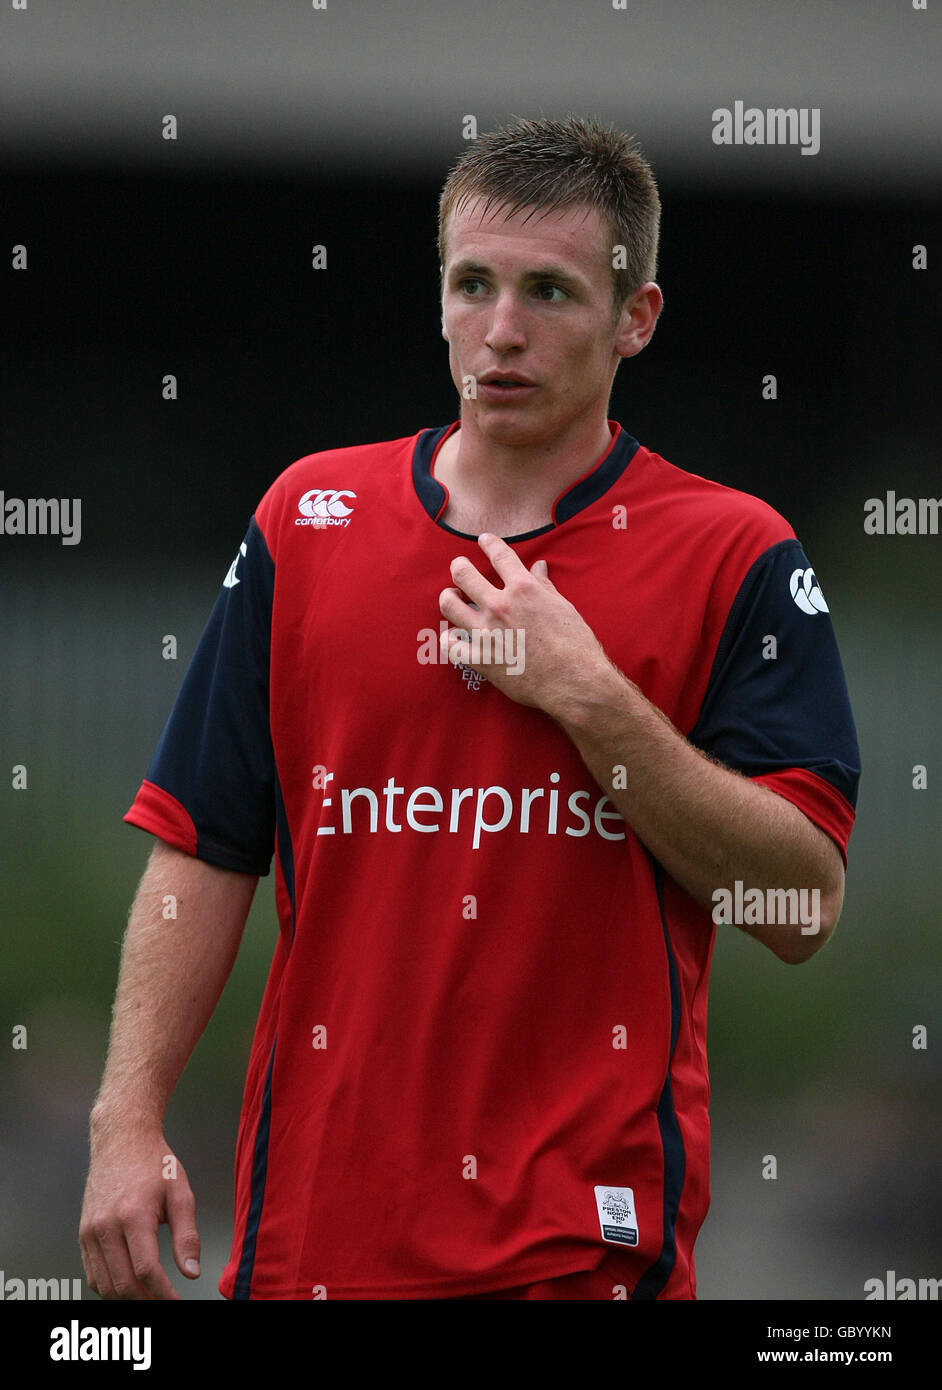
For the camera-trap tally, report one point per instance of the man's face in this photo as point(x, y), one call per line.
point(532, 299)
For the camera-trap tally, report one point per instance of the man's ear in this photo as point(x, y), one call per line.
point(639, 319)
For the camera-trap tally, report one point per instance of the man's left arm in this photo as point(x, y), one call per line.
point(708, 825)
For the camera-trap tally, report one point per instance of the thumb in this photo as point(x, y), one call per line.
point(181, 1217)
point(541, 569)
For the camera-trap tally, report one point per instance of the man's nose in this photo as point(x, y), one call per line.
point(506, 328)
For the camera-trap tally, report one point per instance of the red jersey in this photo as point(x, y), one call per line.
point(480, 1060)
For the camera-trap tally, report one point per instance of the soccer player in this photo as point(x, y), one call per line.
point(512, 703)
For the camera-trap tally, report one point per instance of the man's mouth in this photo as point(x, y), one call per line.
point(503, 386)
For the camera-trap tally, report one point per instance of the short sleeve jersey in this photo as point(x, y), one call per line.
point(480, 1060)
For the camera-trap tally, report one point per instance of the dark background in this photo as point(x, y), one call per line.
point(149, 257)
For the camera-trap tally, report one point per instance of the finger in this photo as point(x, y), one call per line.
point(123, 1281)
point(453, 606)
point(181, 1216)
point(471, 581)
point(540, 569)
point(96, 1271)
point(506, 562)
point(149, 1273)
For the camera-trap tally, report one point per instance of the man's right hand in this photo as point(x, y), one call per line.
point(134, 1184)
point(173, 968)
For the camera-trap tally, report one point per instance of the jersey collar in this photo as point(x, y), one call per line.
point(582, 493)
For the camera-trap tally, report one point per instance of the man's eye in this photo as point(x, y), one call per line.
point(463, 284)
point(554, 289)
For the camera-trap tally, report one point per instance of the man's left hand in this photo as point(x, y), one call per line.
point(525, 638)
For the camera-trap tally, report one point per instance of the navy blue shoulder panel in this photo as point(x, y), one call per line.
point(777, 697)
point(215, 754)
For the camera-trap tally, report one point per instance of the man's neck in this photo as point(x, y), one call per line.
point(510, 491)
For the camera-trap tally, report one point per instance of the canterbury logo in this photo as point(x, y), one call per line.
point(232, 579)
point(324, 507)
point(806, 592)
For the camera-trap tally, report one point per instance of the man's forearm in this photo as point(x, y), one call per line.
point(708, 825)
point(173, 969)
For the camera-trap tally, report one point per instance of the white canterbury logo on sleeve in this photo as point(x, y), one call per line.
point(806, 592)
point(232, 579)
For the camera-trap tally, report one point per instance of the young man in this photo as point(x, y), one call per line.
point(501, 699)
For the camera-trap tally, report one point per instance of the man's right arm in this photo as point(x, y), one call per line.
point(173, 970)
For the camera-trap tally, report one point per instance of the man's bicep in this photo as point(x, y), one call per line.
point(172, 878)
point(166, 857)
